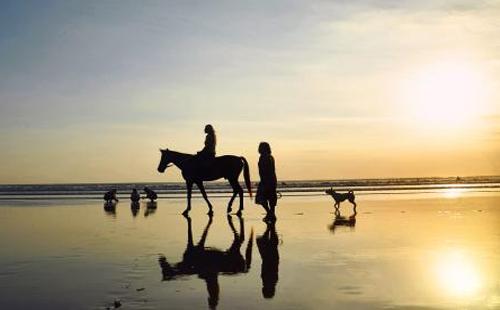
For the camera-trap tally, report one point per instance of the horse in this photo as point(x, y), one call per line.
point(209, 262)
point(195, 172)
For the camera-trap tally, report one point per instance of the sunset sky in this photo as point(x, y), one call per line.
point(89, 90)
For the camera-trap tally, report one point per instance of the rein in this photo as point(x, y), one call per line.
point(180, 162)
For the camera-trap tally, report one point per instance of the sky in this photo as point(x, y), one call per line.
point(90, 90)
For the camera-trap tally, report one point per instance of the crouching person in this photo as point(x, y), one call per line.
point(150, 194)
point(110, 196)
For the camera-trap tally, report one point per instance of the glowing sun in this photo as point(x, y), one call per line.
point(446, 94)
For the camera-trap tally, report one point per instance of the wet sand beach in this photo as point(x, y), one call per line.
point(412, 251)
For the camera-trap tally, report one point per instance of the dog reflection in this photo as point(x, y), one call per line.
point(340, 220)
point(207, 262)
point(268, 249)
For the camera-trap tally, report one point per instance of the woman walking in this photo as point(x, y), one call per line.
point(266, 192)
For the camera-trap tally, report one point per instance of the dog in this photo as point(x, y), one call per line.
point(339, 197)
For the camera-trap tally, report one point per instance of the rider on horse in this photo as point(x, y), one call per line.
point(208, 152)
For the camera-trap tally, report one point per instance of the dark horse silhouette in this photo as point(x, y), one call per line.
point(228, 167)
point(208, 262)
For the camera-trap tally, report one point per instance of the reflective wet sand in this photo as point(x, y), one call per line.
point(411, 251)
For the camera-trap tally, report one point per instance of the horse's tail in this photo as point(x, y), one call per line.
point(246, 175)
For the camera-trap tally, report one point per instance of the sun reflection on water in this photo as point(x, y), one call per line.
point(453, 192)
point(457, 274)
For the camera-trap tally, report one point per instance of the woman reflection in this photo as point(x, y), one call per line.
point(268, 249)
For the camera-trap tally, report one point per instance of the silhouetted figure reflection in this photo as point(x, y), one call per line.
point(268, 249)
point(150, 208)
point(340, 220)
point(110, 208)
point(135, 196)
point(150, 194)
point(207, 262)
point(266, 192)
point(134, 207)
point(110, 196)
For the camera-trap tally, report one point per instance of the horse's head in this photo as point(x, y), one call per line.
point(164, 161)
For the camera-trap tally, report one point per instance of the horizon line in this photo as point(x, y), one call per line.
point(284, 180)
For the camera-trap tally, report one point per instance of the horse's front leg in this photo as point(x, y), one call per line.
point(204, 194)
point(189, 185)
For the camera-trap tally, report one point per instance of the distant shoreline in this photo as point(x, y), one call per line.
point(410, 180)
point(222, 189)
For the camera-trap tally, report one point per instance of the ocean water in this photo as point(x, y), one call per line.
point(420, 250)
point(222, 189)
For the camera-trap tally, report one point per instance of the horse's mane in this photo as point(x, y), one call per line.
point(180, 153)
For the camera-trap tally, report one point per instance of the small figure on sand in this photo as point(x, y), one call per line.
point(135, 196)
point(110, 196)
point(266, 192)
point(150, 194)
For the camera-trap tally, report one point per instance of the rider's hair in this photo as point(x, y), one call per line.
point(264, 148)
point(209, 129)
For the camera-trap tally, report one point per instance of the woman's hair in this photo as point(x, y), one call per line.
point(264, 148)
point(209, 129)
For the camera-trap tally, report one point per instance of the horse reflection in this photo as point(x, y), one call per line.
point(268, 249)
point(340, 220)
point(207, 262)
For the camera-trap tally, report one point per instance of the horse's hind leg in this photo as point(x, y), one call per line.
point(237, 190)
point(230, 203)
point(204, 194)
point(240, 193)
point(234, 186)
